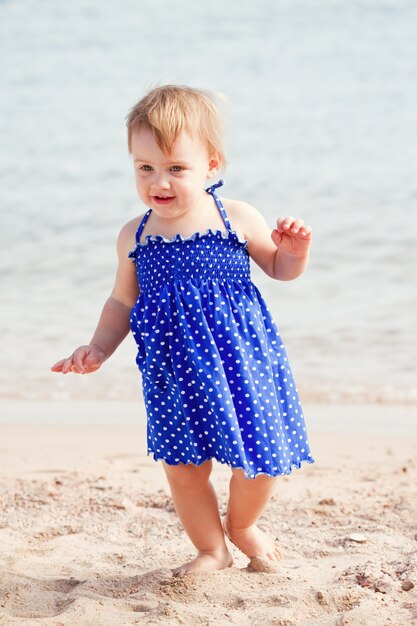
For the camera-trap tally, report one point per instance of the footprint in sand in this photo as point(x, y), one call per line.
point(123, 587)
point(26, 597)
point(22, 596)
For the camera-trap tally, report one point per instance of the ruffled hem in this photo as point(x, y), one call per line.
point(179, 238)
point(249, 473)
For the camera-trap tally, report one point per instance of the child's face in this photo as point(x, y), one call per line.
point(171, 184)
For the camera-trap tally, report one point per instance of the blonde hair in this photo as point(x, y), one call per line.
point(170, 109)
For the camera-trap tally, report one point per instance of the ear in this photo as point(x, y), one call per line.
point(214, 165)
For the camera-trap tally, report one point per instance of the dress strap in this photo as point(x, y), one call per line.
point(212, 191)
point(142, 225)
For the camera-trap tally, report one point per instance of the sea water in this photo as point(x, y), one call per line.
point(320, 102)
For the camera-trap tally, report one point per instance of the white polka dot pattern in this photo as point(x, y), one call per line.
point(215, 375)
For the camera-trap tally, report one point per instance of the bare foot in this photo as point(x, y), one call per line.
point(261, 549)
point(206, 562)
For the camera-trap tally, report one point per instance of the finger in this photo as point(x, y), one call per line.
point(293, 226)
point(305, 231)
point(296, 226)
point(285, 223)
point(58, 366)
point(67, 366)
point(78, 361)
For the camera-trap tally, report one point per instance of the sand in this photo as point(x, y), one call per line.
point(89, 535)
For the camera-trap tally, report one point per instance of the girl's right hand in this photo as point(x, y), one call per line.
point(84, 360)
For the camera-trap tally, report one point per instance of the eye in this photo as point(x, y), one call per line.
point(177, 168)
point(145, 168)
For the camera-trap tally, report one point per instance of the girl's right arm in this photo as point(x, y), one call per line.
point(114, 322)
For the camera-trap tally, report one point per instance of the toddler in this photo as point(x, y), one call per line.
point(215, 376)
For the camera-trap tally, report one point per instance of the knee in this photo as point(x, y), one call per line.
point(238, 476)
point(259, 485)
point(187, 476)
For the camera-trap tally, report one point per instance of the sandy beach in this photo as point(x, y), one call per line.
point(88, 534)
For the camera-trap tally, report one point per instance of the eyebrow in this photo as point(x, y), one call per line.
point(170, 162)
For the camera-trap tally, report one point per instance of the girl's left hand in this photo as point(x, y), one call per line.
point(292, 236)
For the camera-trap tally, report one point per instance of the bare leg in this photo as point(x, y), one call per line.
point(196, 504)
point(248, 498)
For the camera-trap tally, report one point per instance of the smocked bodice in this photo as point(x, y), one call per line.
point(209, 256)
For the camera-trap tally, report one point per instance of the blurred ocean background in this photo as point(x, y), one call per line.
point(321, 123)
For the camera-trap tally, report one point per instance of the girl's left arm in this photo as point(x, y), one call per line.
point(292, 238)
point(282, 253)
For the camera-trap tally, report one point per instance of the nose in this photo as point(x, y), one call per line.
point(160, 181)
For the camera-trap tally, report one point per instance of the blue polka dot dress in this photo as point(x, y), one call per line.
point(215, 376)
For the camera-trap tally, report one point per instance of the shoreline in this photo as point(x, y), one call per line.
point(384, 419)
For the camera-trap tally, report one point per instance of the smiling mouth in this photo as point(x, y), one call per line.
point(163, 199)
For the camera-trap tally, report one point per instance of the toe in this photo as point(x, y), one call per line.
point(274, 554)
point(178, 572)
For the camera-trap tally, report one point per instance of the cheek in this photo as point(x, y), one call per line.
point(140, 182)
point(140, 189)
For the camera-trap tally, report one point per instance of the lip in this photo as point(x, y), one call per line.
point(163, 200)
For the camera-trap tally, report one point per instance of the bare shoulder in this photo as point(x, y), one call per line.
point(251, 224)
point(126, 239)
point(243, 216)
